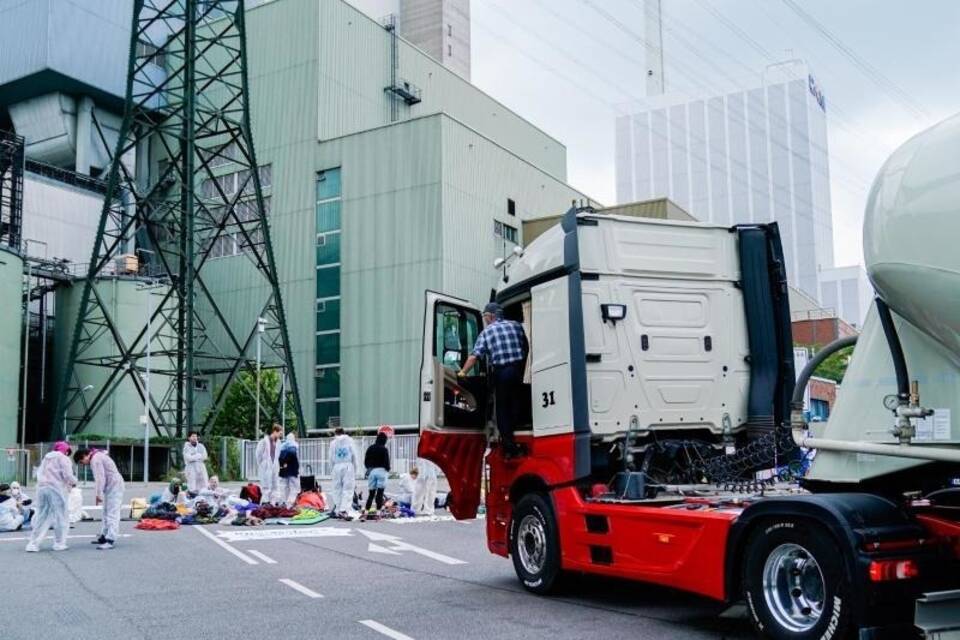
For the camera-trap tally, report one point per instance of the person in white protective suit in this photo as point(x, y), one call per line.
point(425, 495)
point(343, 462)
point(268, 465)
point(11, 516)
point(109, 492)
point(289, 470)
point(195, 463)
point(55, 478)
point(408, 487)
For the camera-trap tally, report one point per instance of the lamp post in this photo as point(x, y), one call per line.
point(145, 418)
point(261, 327)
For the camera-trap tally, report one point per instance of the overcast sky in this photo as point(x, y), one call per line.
point(570, 68)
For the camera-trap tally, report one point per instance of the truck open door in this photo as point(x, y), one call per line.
point(453, 410)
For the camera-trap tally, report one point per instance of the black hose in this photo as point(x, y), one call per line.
point(796, 402)
point(896, 351)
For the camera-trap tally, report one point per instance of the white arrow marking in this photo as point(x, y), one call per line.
point(396, 544)
point(375, 548)
point(376, 536)
point(439, 557)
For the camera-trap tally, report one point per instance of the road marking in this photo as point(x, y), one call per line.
point(394, 543)
point(79, 535)
point(256, 554)
point(239, 554)
point(375, 548)
point(385, 630)
point(299, 587)
point(277, 534)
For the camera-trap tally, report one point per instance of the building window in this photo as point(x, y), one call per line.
point(327, 348)
point(511, 207)
point(201, 384)
point(449, 50)
point(450, 30)
point(152, 53)
point(506, 232)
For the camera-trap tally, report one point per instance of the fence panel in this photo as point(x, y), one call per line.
point(314, 453)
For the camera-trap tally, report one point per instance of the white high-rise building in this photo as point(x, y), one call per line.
point(847, 292)
point(752, 155)
point(441, 28)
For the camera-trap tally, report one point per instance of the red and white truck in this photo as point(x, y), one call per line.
point(660, 388)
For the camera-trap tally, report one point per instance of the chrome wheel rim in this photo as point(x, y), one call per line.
point(532, 544)
point(793, 588)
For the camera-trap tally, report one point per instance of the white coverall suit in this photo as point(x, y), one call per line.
point(343, 461)
point(55, 478)
point(195, 466)
point(268, 469)
point(109, 488)
point(425, 495)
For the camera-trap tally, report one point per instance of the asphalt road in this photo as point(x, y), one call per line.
point(418, 580)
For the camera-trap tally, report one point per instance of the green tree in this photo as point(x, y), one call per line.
point(237, 418)
point(835, 366)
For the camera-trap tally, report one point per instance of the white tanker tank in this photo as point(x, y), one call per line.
point(912, 254)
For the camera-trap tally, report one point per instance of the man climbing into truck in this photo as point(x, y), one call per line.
point(504, 344)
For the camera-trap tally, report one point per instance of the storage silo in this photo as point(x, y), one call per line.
point(11, 343)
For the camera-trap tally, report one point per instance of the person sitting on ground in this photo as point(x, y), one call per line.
point(289, 470)
point(174, 493)
point(23, 501)
point(408, 487)
point(11, 519)
point(214, 494)
point(377, 462)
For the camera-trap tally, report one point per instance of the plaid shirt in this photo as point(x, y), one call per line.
point(503, 342)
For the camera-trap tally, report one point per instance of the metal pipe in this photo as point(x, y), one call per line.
point(26, 370)
point(796, 402)
point(933, 454)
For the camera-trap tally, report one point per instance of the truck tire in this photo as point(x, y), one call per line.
point(535, 544)
point(794, 582)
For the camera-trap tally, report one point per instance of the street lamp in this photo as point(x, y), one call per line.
point(261, 327)
point(148, 286)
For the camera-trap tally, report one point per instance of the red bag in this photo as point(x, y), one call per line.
point(251, 492)
point(152, 524)
point(311, 500)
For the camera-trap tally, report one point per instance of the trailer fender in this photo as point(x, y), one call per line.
point(850, 518)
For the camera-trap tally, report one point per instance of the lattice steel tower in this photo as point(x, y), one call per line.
point(183, 186)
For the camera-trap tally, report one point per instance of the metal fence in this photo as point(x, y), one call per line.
point(128, 458)
point(14, 465)
point(315, 455)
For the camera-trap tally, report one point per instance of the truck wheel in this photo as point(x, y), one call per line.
point(535, 544)
point(795, 584)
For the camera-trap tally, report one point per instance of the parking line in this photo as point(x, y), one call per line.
point(262, 556)
point(299, 587)
point(385, 630)
point(226, 546)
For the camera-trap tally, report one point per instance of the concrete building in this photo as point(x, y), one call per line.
point(373, 197)
point(441, 28)
point(848, 292)
point(754, 155)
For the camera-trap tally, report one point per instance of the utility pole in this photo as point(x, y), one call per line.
point(653, 23)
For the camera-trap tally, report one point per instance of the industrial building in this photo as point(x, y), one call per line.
point(752, 155)
point(386, 174)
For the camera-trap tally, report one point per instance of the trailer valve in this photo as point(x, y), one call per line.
point(888, 570)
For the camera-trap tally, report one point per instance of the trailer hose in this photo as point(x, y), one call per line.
point(896, 351)
point(796, 402)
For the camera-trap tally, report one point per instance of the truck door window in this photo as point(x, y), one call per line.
point(456, 333)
